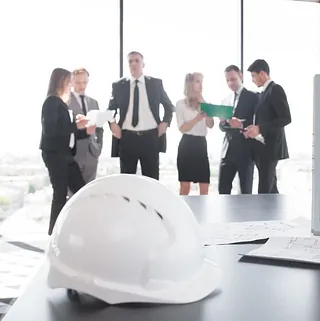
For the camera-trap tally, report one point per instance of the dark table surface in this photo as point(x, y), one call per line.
point(251, 289)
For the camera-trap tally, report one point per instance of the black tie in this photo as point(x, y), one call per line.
point(234, 100)
point(135, 112)
point(83, 105)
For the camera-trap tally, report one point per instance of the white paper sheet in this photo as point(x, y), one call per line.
point(227, 233)
point(299, 249)
point(99, 118)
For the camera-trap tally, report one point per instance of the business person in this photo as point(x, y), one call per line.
point(60, 132)
point(271, 116)
point(236, 155)
point(192, 159)
point(140, 134)
point(88, 149)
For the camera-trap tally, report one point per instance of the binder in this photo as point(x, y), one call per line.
point(221, 111)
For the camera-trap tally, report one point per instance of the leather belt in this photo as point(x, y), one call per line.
point(140, 132)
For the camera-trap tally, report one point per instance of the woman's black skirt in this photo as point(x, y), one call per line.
point(192, 160)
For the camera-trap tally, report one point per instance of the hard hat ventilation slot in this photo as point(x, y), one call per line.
point(159, 215)
point(143, 205)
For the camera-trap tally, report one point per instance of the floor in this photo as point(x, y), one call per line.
point(18, 263)
point(22, 246)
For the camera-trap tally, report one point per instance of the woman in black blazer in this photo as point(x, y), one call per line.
point(58, 141)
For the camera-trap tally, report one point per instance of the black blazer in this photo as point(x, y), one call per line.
point(57, 127)
point(119, 102)
point(272, 115)
point(235, 146)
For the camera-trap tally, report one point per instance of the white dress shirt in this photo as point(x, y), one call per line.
point(266, 84)
point(72, 138)
point(146, 119)
point(184, 114)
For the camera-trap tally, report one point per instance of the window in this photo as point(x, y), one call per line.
point(38, 36)
point(284, 33)
point(43, 35)
point(180, 37)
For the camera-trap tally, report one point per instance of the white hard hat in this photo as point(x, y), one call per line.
point(127, 238)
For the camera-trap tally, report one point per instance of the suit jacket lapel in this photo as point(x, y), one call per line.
point(240, 100)
point(262, 96)
point(148, 88)
point(126, 95)
point(260, 101)
point(90, 103)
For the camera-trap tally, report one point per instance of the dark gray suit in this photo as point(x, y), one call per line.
point(89, 149)
point(236, 156)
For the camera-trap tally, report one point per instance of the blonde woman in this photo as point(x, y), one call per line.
point(192, 160)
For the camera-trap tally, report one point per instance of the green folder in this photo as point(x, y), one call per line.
point(220, 111)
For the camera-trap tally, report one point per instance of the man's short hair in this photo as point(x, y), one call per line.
point(259, 65)
point(233, 68)
point(80, 71)
point(135, 53)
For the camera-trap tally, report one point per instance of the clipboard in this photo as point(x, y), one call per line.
point(221, 111)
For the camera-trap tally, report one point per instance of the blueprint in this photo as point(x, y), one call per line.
point(236, 232)
point(299, 249)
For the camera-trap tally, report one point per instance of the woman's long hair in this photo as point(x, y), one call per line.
point(193, 99)
point(58, 81)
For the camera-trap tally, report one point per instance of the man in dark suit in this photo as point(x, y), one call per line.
point(140, 134)
point(271, 116)
point(236, 156)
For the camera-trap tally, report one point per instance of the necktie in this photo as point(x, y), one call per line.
point(135, 112)
point(83, 105)
point(235, 99)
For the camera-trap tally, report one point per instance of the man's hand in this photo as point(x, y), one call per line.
point(245, 134)
point(116, 130)
point(253, 131)
point(90, 129)
point(162, 128)
point(235, 123)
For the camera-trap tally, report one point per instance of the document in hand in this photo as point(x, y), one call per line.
point(220, 111)
point(99, 118)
